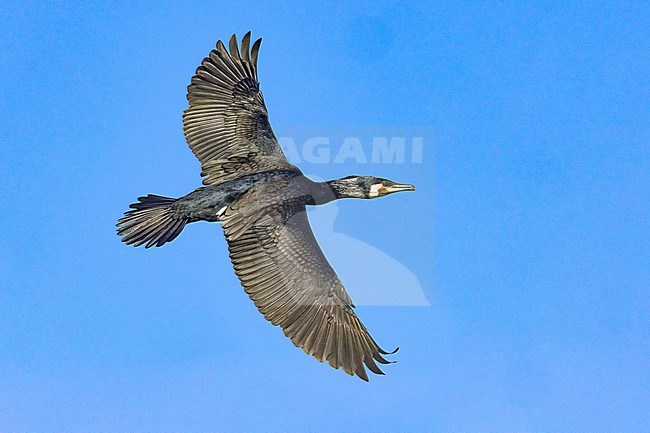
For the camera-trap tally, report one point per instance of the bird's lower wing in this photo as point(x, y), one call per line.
point(284, 271)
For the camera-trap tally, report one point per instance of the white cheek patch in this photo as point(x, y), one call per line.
point(374, 190)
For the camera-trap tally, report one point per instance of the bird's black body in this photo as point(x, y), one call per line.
point(204, 204)
point(260, 200)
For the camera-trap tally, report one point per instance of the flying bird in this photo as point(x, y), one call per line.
point(260, 200)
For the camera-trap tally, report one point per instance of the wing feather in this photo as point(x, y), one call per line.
point(283, 270)
point(227, 115)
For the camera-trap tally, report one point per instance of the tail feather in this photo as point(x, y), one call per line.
point(152, 221)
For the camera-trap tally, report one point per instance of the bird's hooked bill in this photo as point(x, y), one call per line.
point(398, 187)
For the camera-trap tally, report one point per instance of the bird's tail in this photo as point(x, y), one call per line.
point(152, 221)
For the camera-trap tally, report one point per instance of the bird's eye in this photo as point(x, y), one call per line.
point(385, 183)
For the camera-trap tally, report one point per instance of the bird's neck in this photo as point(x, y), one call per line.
point(325, 192)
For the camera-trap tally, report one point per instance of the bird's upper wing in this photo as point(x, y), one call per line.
point(284, 271)
point(222, 170)
point(227, 116)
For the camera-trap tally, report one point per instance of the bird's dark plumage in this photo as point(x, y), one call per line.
point(261, 199)
point(227, 117)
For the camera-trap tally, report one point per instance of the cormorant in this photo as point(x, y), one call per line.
point(260, 200)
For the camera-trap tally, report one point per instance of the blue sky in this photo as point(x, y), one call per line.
point(528, 232)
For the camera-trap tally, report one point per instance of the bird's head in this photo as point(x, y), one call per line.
point(366, 187)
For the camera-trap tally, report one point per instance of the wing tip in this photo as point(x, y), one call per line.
point(383, 352)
